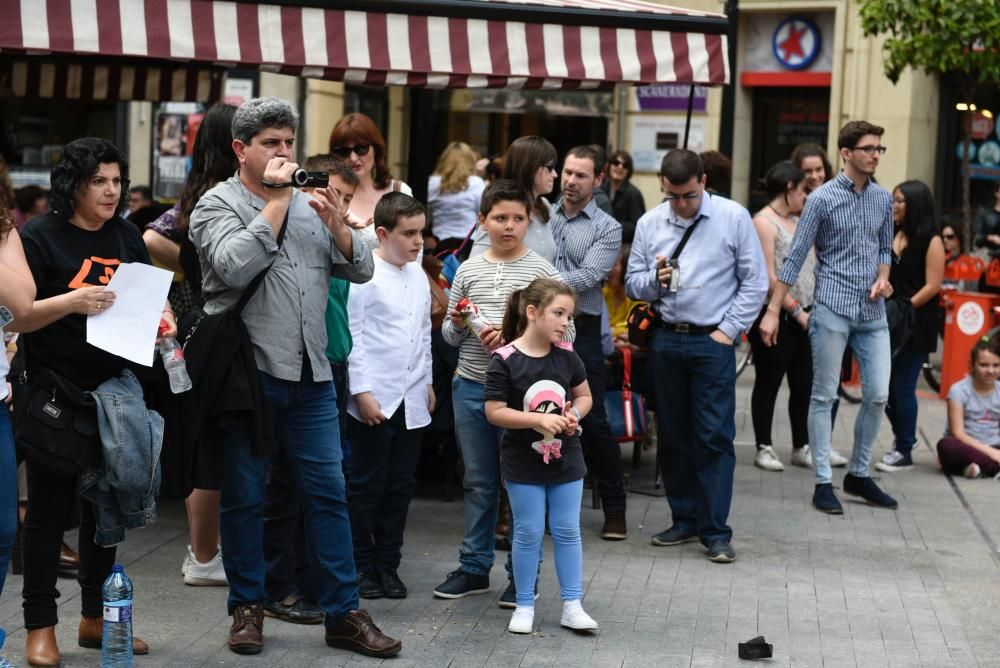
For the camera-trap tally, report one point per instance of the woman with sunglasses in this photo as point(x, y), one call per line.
point(915, 275)
point(357, 140)
point(530, 161)
point(951, 235)
point(626, 200)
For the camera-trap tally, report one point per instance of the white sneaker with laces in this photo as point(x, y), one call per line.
point(208, 574)
point(574, 617)
point(802, 457)
point(837, 459)
point(522, 620)
point(188, 558)
point(767, 459)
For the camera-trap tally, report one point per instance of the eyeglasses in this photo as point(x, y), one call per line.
point(550, 167)
point(358, 150)
point(693, 195)
point(617, 163)
point(871, 149)
point(947, 237)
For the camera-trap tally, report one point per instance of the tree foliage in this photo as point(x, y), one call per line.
point(937, 36)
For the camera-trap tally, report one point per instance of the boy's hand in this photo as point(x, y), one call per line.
point(369, 409)
point(551, 423)
point(456, 319)
point(431, 399)
point(491, 339)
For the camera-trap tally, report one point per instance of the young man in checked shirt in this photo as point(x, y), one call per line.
point(849, 220)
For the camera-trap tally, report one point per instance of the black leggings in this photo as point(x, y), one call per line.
point(791, 356)
point(52, 497)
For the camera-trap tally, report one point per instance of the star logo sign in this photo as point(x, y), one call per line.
point(796, 43)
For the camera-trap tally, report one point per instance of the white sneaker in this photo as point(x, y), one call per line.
point(522, 620)
point(972, 470)
point(208, 574)
point(802, 457)
point(188, 558)
point(573, 617)
point(767, 459)
point(837, 459)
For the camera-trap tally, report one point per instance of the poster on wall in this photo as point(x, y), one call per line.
point(176, 125)
point(653, 136)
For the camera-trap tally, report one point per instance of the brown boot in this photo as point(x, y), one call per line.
point(91, 636)
point(41, 649)
point(358, 633)
point(246, 635)
point(615, 526)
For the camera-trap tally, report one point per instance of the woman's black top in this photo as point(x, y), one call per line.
point(628, 207)
point(64, 257)
point(908, 276)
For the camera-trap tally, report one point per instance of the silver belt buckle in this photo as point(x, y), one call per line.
point(682, 328)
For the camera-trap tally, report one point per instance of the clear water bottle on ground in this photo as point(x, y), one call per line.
point(116, 643)
point(173, 362)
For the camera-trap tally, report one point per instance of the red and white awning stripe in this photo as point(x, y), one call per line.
point(372, 47)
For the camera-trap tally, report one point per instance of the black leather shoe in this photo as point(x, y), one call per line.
point(369, 585)
point(295, 609)
point(869, 491)
point(392, 586)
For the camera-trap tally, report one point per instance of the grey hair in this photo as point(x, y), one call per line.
point(261, 113)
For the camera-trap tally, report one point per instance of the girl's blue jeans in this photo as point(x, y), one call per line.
point(527, 505)
point(8, 492)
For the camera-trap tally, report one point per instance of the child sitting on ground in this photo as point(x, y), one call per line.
point(971, 443)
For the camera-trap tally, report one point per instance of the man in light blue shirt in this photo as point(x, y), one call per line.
point(706, 296)
point(849, 221)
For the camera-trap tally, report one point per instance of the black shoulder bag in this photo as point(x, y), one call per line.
point(643, 317)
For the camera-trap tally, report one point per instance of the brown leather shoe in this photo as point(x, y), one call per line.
point(69, 560)
point(246, 635)
point(615, 526)
point(91, 636)
point(40, 649)
point(358, 633)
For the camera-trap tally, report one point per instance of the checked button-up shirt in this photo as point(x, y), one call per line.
point(587, 247)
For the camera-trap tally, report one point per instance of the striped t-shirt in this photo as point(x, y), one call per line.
point(488, 285)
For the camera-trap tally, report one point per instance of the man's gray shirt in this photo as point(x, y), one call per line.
point(286, 316)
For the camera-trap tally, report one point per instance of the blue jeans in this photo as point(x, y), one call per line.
point(902, 406)
point(694, 392)
point(306, 422)
point(527, 505)
point(829, 334)
point(479, 443)
point(8, 492)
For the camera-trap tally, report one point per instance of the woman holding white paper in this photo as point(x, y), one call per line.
point(72, 252)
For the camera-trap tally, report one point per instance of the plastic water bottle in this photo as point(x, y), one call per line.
point(173, 362)
point(116, 643)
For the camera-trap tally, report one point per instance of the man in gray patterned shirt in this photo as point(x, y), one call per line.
point(587, 245)
point(849, 220)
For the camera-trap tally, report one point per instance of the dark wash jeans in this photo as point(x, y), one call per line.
point(383, 475)
point(287, 561)
point(694, 381)
point(306, 421)
point(901, 409)
point(8, 492)
point(52, 498)
point(603, 451)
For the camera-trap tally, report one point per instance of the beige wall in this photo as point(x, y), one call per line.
point(324, 105)
point(140, 142)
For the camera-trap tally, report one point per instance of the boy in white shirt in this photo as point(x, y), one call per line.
point(391, 393)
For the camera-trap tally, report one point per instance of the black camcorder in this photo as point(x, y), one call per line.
point(303, 179)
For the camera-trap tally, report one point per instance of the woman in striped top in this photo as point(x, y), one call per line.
point(486, 281)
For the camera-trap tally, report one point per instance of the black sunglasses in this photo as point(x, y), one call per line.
point(947, 237)
point(618, 163)
point(358, 150)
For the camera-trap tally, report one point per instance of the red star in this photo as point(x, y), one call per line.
point(792, 46)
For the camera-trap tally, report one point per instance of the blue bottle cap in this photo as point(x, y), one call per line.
point(117, 568)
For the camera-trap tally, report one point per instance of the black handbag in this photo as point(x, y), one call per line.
point(55, 423)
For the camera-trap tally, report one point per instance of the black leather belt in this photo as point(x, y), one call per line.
point(688, 328)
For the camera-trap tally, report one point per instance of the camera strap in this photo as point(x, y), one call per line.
point(684, 239)
point(259, 278)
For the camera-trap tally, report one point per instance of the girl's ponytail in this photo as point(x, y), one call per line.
point(514, 320)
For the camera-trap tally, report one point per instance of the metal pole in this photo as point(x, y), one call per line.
point(728, 115)
point(687, 121)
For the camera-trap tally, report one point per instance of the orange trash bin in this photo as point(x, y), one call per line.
point(968, 317)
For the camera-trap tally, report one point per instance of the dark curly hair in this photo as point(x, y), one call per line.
point(212, 160)
point(79, 162)
point(6, 219)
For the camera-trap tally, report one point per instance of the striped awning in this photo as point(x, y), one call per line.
point(426, 43)
point(84, 78)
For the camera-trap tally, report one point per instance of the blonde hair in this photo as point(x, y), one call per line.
point(456, 164)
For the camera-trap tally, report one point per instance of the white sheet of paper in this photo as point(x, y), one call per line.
point(129, 328)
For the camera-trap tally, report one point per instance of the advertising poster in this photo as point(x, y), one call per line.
point(176, 125)
point(653, 136)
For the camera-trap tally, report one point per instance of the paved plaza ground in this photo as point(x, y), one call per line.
point(914, 587)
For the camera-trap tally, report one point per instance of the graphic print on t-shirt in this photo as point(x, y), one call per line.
point(95, 272)
point(546, 396)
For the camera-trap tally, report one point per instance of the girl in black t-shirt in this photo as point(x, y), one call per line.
point(536, 389)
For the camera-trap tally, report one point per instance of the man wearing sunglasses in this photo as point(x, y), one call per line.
point(697, 258)
point(849, 221)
